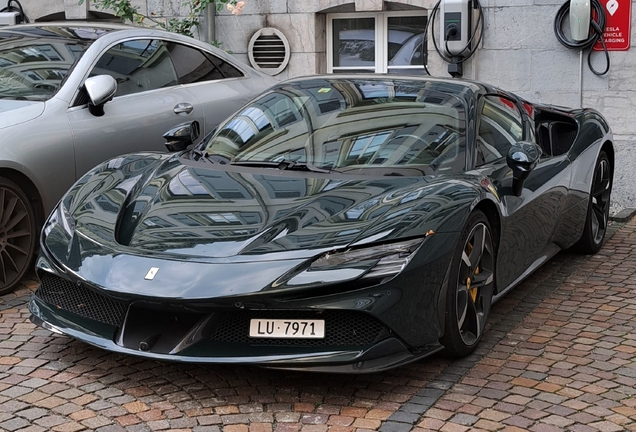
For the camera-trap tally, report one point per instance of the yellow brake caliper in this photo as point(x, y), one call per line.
point(471, 291)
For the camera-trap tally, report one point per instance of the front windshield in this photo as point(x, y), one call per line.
point(34, 61)
point(391, 127)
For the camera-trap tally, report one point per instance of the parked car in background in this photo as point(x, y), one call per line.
point(348, 223)
point(75, 94)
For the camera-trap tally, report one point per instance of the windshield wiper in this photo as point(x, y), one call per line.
point(282, 165)
point(198, 154)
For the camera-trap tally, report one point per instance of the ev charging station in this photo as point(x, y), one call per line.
point(12, 14)
point(455, 26)
point(9, 18)
point(580, 14)
point(587, 25)
point(459, 35)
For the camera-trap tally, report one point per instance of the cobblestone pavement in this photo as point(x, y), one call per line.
point(558, 355)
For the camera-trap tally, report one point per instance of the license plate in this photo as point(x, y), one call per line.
point(287, 329)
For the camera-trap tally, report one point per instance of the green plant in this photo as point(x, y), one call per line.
point(184, 25)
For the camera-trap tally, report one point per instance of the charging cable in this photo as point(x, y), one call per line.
point(598, 26)
point(473, 42)
point(18, 8)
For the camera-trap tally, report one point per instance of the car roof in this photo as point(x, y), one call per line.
point(87, 32)
point(84, 31)
point(100, 28)
point(463, 89)
point(104, 33)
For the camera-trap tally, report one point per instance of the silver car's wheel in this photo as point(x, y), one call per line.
point(470, 288)
point(17, 235)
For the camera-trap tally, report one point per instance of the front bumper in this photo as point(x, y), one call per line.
point(389, 352)
point(372, 328)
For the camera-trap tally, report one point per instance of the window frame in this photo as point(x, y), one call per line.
point(480, 112)
point(381, 40)
point(210, 58)
point(75, 101)
point(163, 44)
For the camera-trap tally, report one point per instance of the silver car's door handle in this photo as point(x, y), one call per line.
point(183, 108)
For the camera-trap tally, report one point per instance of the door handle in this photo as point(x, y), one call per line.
point(183, 108)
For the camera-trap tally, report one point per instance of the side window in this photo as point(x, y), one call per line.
point(500, 126)
point(226, 69)
point(137, 66)
point(195, 66)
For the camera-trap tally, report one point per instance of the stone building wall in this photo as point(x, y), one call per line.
point(519, 53)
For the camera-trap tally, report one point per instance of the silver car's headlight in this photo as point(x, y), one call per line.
point(379, 261)
point(60, 219)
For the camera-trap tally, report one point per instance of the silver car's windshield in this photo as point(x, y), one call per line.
point(34, 61)
point(348, 125)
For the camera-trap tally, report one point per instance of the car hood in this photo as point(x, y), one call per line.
point(13, 112)
point(160, 205)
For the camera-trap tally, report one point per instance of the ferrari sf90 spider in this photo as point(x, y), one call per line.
point(335, 223)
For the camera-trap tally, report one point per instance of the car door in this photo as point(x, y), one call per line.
point(532, 217)
point(149, 101)
point(220, 87)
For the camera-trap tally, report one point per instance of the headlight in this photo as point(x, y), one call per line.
point(380, 261)
point(62, 219)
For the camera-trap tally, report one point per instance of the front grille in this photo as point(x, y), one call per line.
point(80, 300)
point(342, 328)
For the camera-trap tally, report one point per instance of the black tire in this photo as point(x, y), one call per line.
point(470, 287)
point(598, 208)
point(17, 235)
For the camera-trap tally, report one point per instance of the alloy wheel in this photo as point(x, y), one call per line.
point(601, 190)
point(16, 237)
point(475, 284)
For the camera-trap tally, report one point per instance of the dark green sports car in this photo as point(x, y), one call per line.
point(343, 223)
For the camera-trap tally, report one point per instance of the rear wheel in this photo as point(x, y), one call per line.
point(470, 288)
point(598, 208)
point(17, 235)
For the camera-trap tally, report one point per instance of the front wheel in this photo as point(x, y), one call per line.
point(598, 208)
point(17, 235)
point(470, 289)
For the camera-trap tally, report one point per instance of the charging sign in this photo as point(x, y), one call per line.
point(618, 25)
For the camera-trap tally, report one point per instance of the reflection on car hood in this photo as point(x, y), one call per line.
point(166, 207)
point(13, 112)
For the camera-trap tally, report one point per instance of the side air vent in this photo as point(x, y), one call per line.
point(268, 51)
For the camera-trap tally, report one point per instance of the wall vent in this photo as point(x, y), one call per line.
point(268, 51)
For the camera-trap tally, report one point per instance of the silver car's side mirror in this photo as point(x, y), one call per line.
point(100, 89)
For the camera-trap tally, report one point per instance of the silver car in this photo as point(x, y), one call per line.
point(73, 95)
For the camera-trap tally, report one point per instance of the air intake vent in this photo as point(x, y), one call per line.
point(269, 51)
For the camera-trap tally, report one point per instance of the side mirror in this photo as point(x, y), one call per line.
point(522, 158)
point(181, 136)
point(100, 89)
